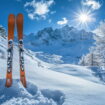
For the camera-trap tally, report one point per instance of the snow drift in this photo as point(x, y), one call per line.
point(48, 84)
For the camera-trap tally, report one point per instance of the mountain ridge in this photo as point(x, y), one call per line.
point(56, 41)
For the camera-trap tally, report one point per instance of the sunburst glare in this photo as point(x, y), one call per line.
point(84, 18)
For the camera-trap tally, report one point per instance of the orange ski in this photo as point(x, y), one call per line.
point(19, 22)
point(11, 26)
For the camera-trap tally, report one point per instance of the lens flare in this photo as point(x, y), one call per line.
point(84, 18)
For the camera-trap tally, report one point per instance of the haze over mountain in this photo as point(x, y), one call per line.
point(67, 43)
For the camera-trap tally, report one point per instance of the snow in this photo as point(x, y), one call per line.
point(31, 95)
point(64, 42)
point(49, 84)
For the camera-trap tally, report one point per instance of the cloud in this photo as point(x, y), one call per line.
point(100, 30)
point(92, 3)
point(53, 12)
point(49, 21)
point(63, 21)
point(38, 9)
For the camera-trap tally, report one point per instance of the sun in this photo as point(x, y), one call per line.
point(84, 18)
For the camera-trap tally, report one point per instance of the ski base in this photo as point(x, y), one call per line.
point(9, 80)
point(23, 78)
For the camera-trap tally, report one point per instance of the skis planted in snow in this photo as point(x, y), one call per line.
point(19, 22)
point(11, 26)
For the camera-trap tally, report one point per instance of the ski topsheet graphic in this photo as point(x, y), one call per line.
point(11, 26)
point(19, 21)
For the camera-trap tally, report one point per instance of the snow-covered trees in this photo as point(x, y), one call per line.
point(87, 60)
point(96, 57)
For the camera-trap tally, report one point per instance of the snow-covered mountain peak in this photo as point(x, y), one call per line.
point(65, 42)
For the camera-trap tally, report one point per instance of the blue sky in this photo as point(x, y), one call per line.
point(39, 14)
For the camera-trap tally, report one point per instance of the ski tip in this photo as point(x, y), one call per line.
point(20, 14)
point(11, 18)
point(11, 15)
point(20, 18)
point(11, 25)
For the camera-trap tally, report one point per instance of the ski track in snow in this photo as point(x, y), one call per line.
point(48, 84)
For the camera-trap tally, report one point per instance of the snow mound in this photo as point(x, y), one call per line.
point(32, 95)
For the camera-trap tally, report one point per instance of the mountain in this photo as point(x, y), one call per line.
point(67, 44)
point(47, 83)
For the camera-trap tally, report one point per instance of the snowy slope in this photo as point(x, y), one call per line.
point(49, 84)
point(64, 42)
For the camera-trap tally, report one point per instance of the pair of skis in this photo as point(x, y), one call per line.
point(11, 27)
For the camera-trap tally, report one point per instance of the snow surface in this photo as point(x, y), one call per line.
point(48, 84)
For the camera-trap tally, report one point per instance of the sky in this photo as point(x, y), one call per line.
point(38, 14)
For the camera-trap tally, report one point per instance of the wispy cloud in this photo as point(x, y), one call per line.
point(49, 21)
point(53, 12)
point(38, 9)
point(93, 4)
point(63, 21)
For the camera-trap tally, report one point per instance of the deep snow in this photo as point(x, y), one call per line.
point(49, 84)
